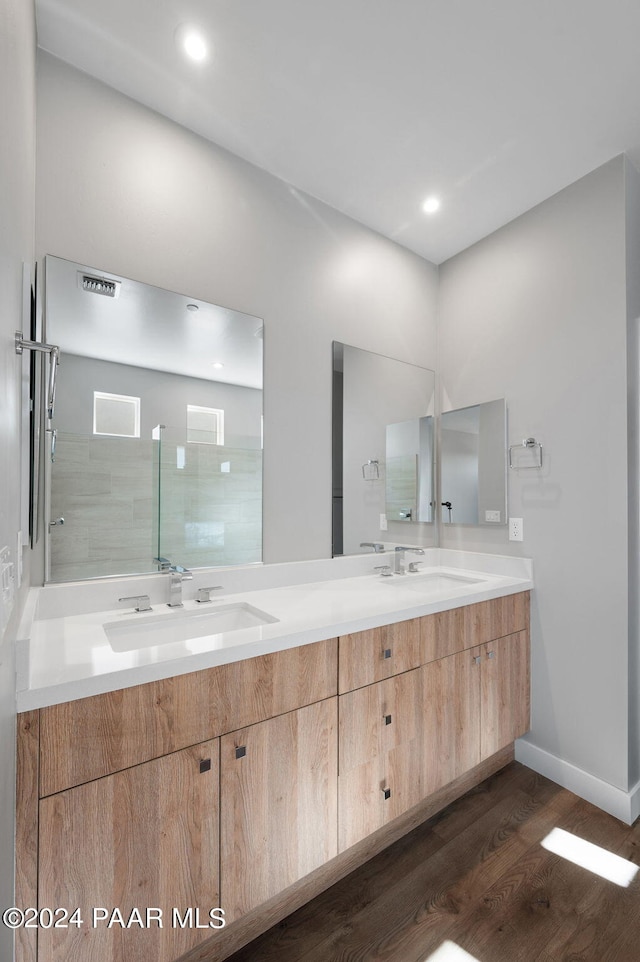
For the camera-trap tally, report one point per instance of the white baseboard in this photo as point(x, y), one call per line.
point(617, 802)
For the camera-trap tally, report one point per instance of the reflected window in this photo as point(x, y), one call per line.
point(116, 415)
point(205, 425)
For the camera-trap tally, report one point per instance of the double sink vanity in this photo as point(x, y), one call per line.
point(239, 755)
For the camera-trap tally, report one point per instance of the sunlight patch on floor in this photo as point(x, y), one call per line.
point(450, 952)
point(592, 857)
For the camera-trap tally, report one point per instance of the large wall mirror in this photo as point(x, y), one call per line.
point(155, 446)
point(473, 464)
point(383, 471)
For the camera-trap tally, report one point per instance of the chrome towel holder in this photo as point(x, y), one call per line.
point(530, 443)
point(371, 470)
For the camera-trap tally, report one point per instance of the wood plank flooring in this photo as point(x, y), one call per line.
point(476, 876)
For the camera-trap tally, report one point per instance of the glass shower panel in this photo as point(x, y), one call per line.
point(210, 503)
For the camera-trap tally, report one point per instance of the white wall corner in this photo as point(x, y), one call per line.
point(617, 802)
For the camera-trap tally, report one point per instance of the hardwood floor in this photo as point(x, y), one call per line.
point(476, 876)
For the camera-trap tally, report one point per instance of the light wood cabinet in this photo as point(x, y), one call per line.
point(145, 837)
point(457, 629)
point(380, 730)
point(505, 685)
point(475, 703)
point(451, 718)
point(229, 786)
point(278, 817)
point(465, 703)
point(92, 737)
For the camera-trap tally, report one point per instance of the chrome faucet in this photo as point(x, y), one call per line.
point(177, 575)
point(377, 546)
point(400, 550)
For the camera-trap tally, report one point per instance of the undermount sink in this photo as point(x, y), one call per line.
point(183, 625)
point(431, 581)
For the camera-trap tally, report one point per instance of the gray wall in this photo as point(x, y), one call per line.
point(17, 129)
point(537, 313)
point(163, 399)
point(123, 189)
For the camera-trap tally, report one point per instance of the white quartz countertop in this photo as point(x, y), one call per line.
point(62, 657)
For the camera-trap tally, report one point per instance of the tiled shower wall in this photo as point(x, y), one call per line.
point(210, 504)
point(106, 490)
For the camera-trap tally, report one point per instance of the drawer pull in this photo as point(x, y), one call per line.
point(491, 654)
point(386, 793)
point(241, 751)
point(387, 653)
point(477, 659)
point(205, 765)
point(387, 719)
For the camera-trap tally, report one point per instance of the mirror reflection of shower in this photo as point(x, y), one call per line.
point(158, 427)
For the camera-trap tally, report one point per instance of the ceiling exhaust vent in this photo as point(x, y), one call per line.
point(98, 285)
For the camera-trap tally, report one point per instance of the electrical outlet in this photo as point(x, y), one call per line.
point(516, 529)
point(493, 516)
point(383, 522)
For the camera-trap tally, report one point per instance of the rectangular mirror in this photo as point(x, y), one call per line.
point(382, 449)
point(408, 486)
point(473, 464)
point(155, 446)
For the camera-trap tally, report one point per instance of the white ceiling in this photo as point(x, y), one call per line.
point(372, 105)
point(148, 327)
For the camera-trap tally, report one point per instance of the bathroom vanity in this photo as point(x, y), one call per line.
point(251, 783)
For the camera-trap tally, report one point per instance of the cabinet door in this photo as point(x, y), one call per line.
point(505, 691)
point(451, 718)
point(278, 804)
point(380, 753)
point(144, 837)
point(378, 718)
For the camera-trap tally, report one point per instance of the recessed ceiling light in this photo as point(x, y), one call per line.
point(217, 364)
point(192, 307)
point(431, 205)
point(191, 41)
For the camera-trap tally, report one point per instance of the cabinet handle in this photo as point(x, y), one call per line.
point(491, 654)
point(387, 719)
point(241, 751)
point(205, 765)
point(386, 793)
point(477, 659)
point(387, 653)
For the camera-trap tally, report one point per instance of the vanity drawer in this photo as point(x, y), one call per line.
point(457, 629)
point(369, 656)
point(92, 737)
